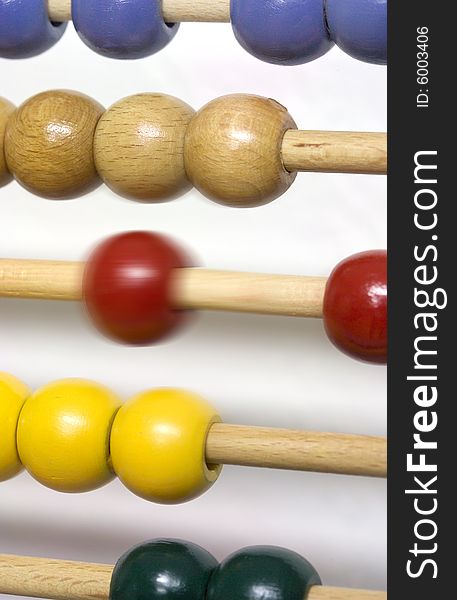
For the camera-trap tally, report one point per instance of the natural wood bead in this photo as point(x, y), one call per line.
point(232, 150)
point(49, 144)
point(139, 147)
point(6, 109)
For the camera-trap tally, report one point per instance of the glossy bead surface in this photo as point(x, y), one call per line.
point(122, 28)
point(49, 144)
point(232, 150)
point(6, 110)
point(355, 306)
point(158, 445)
point(127, 287)
point(282, 32)
point(25, 28)
point(139, 147)
point(359, 27)
point(261, 572)
point(63, 435)
point(13, 394)
point(162, 570)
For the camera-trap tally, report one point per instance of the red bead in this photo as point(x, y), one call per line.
point(127, 284)
point(355, 306)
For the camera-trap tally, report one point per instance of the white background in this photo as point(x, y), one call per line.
point(256, 370)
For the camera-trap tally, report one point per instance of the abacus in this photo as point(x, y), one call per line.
point(168, 445)
point(239, 150)
point(281, 32)
point(137, 288)
point(165, 445)
point(168, 568)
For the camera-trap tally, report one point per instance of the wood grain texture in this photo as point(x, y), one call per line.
point(335, 152)
point(239, 150)
point(139, 147)
point(288, 295)
point(71, 580)
point(6, 110)
point(318, 592)
point(54, 579)
point(295, 296)
point(232, 150)
point(41, 279)
point(49, 144)
point(174, 11)
point(297, 450)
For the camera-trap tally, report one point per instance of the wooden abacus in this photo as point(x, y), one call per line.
point(239, 150)
point(276, 571)
point(137, 285)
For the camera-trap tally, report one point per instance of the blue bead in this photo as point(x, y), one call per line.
point(25, 28)
point(282, 32)
point(359, 27)
point(122, 28)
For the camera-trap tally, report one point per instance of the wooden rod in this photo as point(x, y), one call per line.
point(71, 580)
point(55, 579)
point(192, 289)
point(41, 279)
point(333, 593)
point(335, 152)
point(343, 454)
point(289, 295)
point(174, 11)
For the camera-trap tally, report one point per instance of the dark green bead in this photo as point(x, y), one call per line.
point(262, 573)
point(162, 570)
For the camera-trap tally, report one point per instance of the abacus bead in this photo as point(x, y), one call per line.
point(355, 306)
point(290, 32)
point(63, 435)
point(122, 28)
point(6, 110)
point(139, 147)
point(25, 28)
point(162, 570)
point(359, 27)
point(261, 572)
point(127, 287)
point(13, 394)
point(232, 150)
point(49, 144)
point(158, 444)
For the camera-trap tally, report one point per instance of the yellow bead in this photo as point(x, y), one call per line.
point(158, 443)
point(13, 394)
point(64, 432)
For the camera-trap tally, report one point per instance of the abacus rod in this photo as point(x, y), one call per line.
point(343, 454)
point(174, 11)
point(287, 295)
point(335, 152)
point(71, 580)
